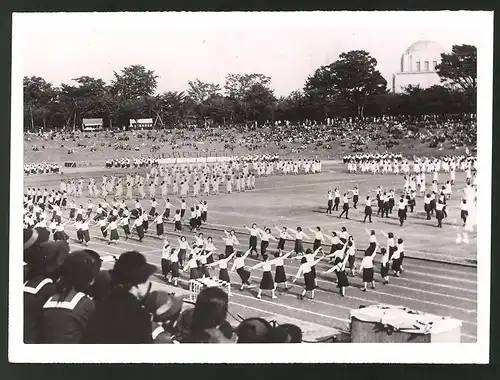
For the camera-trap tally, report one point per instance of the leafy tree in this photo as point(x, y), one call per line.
point(459, 68)
point(134, 82)
point(38, 96)
point(351, 80)
point(200, 92)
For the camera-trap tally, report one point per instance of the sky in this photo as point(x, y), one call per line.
point(288, 47)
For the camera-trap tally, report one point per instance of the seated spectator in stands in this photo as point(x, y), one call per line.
point(165, 310)
point(121, 318)
point(67, 312)
point(294, 331)
point(210, 312)
point(101, 287)
point(254, 330)
point(42, 272)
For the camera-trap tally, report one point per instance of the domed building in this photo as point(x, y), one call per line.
point(418, 66)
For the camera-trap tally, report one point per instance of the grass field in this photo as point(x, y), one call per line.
point(428, 286)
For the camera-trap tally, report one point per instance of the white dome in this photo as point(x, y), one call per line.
point(421, 57)
point(427, 46)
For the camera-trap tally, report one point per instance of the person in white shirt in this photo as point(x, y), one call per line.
point(299, 237)
point(339, 269)
point(345, 207)
point(351, 253)
point(85, 231)
point(355, 196)
point(402, 211)
point(177, 221)
point(368, 209)
point(267, 282)
point(280, 275)
point(384, 266)
point(319, 238)
point(125, 224)
point(330, 202)
point(239, 265)
point(265, 235)
point(138, 224)
point(230, 240)
point(366, 269)
point(305, 270)
point(283, 234)
point(440, 213)
point(113, 231)
point(168, 205)
point(464, 213)
point(222, 264)
point(252, 244)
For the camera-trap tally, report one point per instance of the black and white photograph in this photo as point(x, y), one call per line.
point(321, 178)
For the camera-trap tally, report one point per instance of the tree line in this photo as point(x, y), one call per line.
point(349, 87)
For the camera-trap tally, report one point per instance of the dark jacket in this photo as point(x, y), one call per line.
point(119, 319)
point(65, 317)
point(36, 292)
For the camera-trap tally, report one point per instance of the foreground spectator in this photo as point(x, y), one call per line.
point(66, 313)
point(209, 318)
point(120, 318)
point(42, 271)
point(165, 310)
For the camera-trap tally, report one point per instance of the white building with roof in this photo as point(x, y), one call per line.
point(418, 66)
point(94, 124)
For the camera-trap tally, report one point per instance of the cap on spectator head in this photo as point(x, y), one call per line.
point(294, 331)
point(81, 267)
point(131, 268)
point(163, 306)
point(32, 239)
point(48, 256)
point(254, 330)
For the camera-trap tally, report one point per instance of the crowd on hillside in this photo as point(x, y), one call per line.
point(354, 134)
point(69, 298)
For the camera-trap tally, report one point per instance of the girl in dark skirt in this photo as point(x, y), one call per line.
point(152, 212)
point(166, 213)
point(174, 266)
point(351, 256)
point(145, 221)
point(60, 234)
point(126, 228)
point(265, 235)
point(79, 233)
point(299, 237)
point(391, 246)
point(401, 250)
point(368, 209)
point(209, 247)
point(165, 259)
point(339, 269)
point(64, 200)
point(319, 238)
point(229, 241)
point(222, 264)
point(102, 226)
point(72, 210)
point(267, 282)
point(239, 265)
point(113, 231)
point(252, 244)
point(464, 213)
point(384, 266)
point(85, 232)
point(192, 221)
point(183, 247)
point(177, 221)
point(192, 266)
point(159, 225)
point(366, 269)
point(198, 216)
point(283, 235)
point(279, 274)
point(140, 229)
point(373, 241)
point(305, 270)
point(203, 260)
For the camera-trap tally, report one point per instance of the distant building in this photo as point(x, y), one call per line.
point(140, 123)
point(418, 66)
point(89, 125)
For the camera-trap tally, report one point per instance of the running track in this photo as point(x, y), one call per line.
point(442, 289)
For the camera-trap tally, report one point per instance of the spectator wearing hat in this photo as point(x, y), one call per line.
point(254, 330)
point(66, 313)
point(165, 310)
point(121, 318)
point(210, 312)
point(42, 273)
